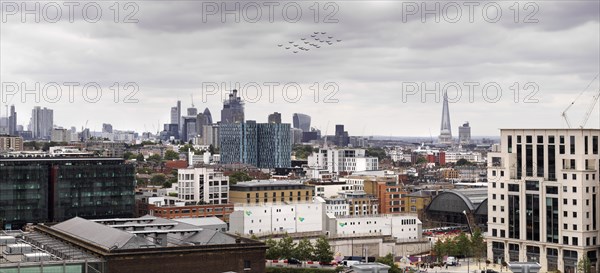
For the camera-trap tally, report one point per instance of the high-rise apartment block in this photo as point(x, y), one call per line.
point(543, 197)
point(264, 145)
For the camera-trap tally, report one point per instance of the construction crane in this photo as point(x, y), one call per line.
point(589, 109)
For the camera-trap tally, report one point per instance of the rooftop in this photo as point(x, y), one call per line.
point(256, 183)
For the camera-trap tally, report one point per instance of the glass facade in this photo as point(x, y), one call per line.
point(23, 195)
point(263, 145)
point(57, 189)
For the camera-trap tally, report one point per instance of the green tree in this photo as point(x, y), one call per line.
point(139, 158)
point(171, 155)
point(158, 179)
point(462, 162)
point(167, 184)
point(421, 160)
point(389, 260)
point(127, 155)
point(302, 151)
point(304, 250)
point(239, 176)
point(286, 247)
point(323, 252)
point(376, 152)
point(463, 245)
point(478, 245)
point(439, 249)
point(155, 158)
point(584, 265)
point(273, 252)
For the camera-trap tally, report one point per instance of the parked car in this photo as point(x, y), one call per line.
point(294, 261)
point(489, 271)
point(451, 260)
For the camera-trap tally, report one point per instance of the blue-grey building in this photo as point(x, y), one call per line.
point(301, 121)
point(264, 145)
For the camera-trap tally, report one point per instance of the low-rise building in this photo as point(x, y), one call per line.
point(270, 191)
point(11, 143)
point(401, 227)
point(221, 211)
point(277, 218)
point(150, 244)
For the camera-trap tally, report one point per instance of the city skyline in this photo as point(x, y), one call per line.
point(372, 70)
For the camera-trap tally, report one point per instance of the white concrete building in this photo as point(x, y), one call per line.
point(401, 227)
point(331, 189)
point(336, 206)
point(453, 157)
point(202, 184)
point(342, 160)
point(277, 218)
point(543, 198)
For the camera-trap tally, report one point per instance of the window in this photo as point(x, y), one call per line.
point(574, 202)
point(574, 214)
point(574, 176)
point(247, 265)
point(574, 189)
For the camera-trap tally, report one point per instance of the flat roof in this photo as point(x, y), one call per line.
point(257, 183)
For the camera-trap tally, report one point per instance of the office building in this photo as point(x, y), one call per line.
point(188, 131)
point(11, 143)
point(543, 201)
point(170, 130)
point(201, 121)
point(464, 133)
point(233, 109)
point(107, 128)
point(296, 136)
point(202, 185)
point(210, 135)
point(42, 122)
point(301, 121)
point(445, 128)
point(274, 118)
point(146, 245)
point(53, 189)
point(208, 115)
point(12, 121)
point(341, 138)
point(60, 135)
point(106, 148)
point(270, 191)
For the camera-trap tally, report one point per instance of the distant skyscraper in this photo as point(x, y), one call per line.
point(296, 135)
point(192, 111)
point(107, 128)
point(445, 129)
point(42, 122)
point(301, 121)
point(233, 109)
point(275, 118)
point(464, 133)
point(201, 121)
point(342, 138)
point(263, 145)
point(189, 128)
point(208, 115)
point(12, 121)
point(176, 115)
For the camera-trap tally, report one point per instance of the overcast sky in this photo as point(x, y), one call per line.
point(550, 49)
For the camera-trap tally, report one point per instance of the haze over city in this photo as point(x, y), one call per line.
point(384, 53)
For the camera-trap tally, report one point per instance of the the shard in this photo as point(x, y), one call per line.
point(445, 129)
